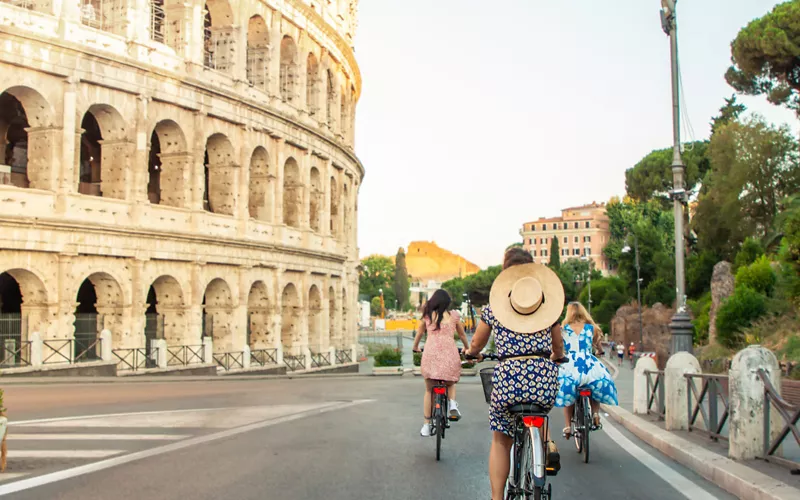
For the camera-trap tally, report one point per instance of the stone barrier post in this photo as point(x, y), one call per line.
point(677, 404)
point(279, 355)
point(354, 353)
point(332, 353)
point(640, 395)
point(37, 346)
point(746, 399)
point(159, 346)
point(106, 346)
point(208, 350)
point(246, 357)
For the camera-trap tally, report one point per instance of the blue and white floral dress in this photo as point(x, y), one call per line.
point(583, 370)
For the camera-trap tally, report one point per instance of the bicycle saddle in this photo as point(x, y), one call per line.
point(528, 409)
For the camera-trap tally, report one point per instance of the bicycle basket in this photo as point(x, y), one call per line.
point(486, 381)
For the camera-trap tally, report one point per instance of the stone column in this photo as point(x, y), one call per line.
point(305, 174)
point(180, 18)
point(275, 37)
point(43, 163)
point(70, 15)
point(69, 155)
point(243, 183)
point(141, 157)
point(640, 395)
point(325, 218)
point(746, 399)
point(195, 333)
point(198, 167)
point(677, 404)
point(280, 159)
point(115, 163)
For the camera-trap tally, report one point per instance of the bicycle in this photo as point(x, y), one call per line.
point(582, 422)
point(530, 468)
point(440, 418)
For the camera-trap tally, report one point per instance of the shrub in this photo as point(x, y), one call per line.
point(417, 358)
point(388, 357)
point(658, 291)
point(750, 252)
point(759, 276)
point(699, 270)
point(701, 309)
point(737, 313)
point(467, 366)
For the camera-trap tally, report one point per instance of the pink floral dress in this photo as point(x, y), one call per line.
point(440, 359)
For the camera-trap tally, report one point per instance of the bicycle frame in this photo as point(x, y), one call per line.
point(530, 428)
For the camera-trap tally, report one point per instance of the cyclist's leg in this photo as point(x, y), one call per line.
point(426, 406)
point(451, 391)
point(499, 463)
point(595, 411)
point(568, 411)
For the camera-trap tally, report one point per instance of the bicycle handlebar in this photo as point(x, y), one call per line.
point(495, 357)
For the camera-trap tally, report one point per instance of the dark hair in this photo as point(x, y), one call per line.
point(439, 303)
point(516, 256)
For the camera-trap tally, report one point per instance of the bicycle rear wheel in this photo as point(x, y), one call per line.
point(577, 434)
point(587, 425)
point(438, 417)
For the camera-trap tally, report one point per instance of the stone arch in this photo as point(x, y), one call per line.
point(312, 84)
point(168, 165)
point(262, 185)
point(334, 209)
point(219, 36)
point(316, 342)
point(289, 69)
point(104, 153)
point(292, 193)
point(333, 331)
point(332, 95)
point(258, 53)
point(218, 314)
point(259, 333)
point(99, 306)
point(316, 200)
point(291, 338)
point(220, 193)
point(166, 314)
point(23, 310)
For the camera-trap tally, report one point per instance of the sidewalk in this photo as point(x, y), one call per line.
point(754, 479)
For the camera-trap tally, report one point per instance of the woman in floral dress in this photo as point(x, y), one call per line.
point(441, 360)
point(583, 369)
point(527, 338)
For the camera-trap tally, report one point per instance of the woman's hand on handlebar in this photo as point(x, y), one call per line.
point(560, 361)
point(416, 349)
point(472, 357)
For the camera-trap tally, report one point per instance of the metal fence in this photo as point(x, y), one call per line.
point(655, 393)
point(344, 356)
point(136, 358)
point(790, 414)
point(705, 402)
point(263, 357)
point(320, 359)
point(375, 341)
point(230, 360)
point(185, 355)
point(71, 350)
point(294, 362)
point(14, 353)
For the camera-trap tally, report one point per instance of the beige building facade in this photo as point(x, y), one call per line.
point(179, 170)
point(582, 232)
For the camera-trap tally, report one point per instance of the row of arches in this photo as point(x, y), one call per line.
point(105, 167)
point(314, 318)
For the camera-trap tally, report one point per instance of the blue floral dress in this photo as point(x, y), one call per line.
point(519, 380)
point(583, 370)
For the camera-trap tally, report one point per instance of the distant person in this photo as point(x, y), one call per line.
point(620, 353)
point(631, 352)
point(611, 348)
point(440, 360)
point(583, 370)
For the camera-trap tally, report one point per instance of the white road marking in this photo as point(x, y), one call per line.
point(213, 418)
point(96, 437)
point(108, 415)
point(63, 453)
point(26, 484)
point(7, 476)
point(681, 484)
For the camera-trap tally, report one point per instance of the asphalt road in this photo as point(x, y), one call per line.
point(331, 438)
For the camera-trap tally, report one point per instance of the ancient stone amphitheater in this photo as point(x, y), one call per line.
point(175, 171)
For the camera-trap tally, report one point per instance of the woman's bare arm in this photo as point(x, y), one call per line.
point(558, 342)
point(480, 339)
point(461, 334)
point(597, 339)
point(420, 333)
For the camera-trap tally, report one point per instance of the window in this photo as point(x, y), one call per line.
point(533, 227)
point(566, 240)
point(587, 239)
point(544, 253)
point(534, 253)
point(576, 239)
point(587, 251)
point(544, 227)
point(576, 225)
point(576, 251)
point(588, 224)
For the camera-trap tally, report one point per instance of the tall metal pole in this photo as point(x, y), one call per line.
point(681, 325)
point(639, 292)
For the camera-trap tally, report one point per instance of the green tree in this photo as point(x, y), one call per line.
point(728, 113)
point(455, 287)
point(608, 295)
point(651, 178)
point(555, 253)
point(401, 284)
point(515, 245)
point(737, 313)
point(750, 252)
point(699, 270)
point(765, 57)
point(478, 285)
point(377, 273)
point(758, 276)
point(658, 291)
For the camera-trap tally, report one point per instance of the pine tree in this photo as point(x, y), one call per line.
point(555, 253)
point(401, 285)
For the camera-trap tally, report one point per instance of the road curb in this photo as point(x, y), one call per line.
point(734, 477)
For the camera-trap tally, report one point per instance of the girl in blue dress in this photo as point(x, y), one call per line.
point(583, 370)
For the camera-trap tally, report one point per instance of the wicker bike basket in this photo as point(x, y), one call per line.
point(486, 381)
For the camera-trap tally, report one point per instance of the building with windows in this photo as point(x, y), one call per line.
point(178, 170)
point(582, 232)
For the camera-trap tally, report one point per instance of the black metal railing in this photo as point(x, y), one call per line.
point(15, 353)
point(184, 355)
point(344, 356)
point(136, 358)
point(294, 363)
point(78, 350)
point(264, 357)
point(790, 414)
point(57, 351)
point(230, 360)
point(86, 349)
point(320, 359)
point(655, 393)
point(705, 402)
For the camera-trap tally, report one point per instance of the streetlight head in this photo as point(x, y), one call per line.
point(626, 249)
point(669, 5)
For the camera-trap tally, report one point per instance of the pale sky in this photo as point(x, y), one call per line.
point(478, 116)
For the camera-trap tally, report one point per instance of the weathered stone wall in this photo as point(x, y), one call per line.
point(214, 247)
point(655, 331)
point(722, 285)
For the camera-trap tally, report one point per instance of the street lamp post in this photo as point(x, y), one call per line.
point(382, 307)
point(681, 325)
point(638, 287)
point(589, 280)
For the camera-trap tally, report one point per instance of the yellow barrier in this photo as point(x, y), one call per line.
point(401, 324)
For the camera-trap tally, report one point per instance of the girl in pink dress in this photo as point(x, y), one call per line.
point(440, 360)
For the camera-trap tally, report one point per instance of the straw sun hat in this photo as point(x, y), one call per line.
point(527, 298)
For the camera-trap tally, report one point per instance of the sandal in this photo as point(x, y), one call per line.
point(566, 432)
point(596, 421)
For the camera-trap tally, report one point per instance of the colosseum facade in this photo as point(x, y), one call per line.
point(179, 170)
